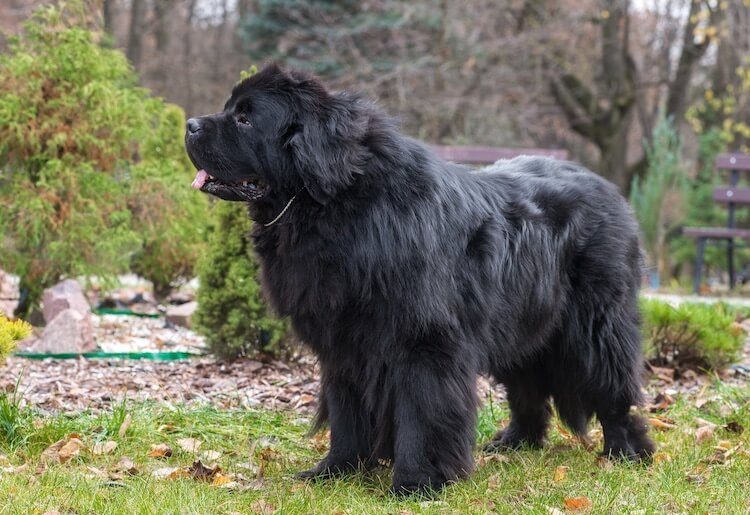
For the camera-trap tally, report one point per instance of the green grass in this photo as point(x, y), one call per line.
point(681, 480)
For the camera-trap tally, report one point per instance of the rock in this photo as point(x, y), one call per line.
point(68, 332)
point(180, 315)
point(62, 296)
point(8, 293)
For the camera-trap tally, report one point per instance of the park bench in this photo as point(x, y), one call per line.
point(733, 196)
point(488, 155)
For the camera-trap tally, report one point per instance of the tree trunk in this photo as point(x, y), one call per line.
point(108, 13)
point(135, 33)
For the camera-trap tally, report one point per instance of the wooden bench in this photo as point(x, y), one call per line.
point(733, 196)
point(488, 155)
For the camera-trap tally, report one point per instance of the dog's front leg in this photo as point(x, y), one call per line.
point(434, 423)
point(350, 445)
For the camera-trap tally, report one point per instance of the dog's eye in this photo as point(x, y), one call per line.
point(243, 120)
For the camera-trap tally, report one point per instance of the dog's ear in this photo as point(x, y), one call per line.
point(325, 140)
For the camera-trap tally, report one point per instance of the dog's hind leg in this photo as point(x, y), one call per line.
point(528, 397)
point(434, 416)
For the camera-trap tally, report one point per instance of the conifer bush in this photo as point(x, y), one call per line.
point(94, 180)
point(11, 331)
point(231, 312)
point(691, 335)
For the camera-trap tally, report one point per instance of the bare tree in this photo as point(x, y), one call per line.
point(136, 31)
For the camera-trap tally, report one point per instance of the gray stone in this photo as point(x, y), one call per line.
point(62, 296)
point(68, 332)
point(8, 293)
point(180, 315)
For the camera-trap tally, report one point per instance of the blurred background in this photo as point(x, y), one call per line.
point(94, 94)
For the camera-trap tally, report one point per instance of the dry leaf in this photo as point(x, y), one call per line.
point(107, 447)
point(167, 428)
point(663, 373)
point(661, 402)
point(661, 423)
point(62, 450)
point(492, 458)
point(262, 507)
point(160, 450)
point(494, 481)
point(127, 466)
point(96, 473)
point(210, 456)
point(576, 503)
point(662, 456)
point(170, 473)
point(200, 471)
point(734, 427)
point(189, 444)
point(222, 480)
point(704, 433)
point(560, 473)
point(125, 425)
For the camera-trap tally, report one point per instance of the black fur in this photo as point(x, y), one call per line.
point(408, 277)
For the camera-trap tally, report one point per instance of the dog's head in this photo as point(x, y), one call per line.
point(280, 132)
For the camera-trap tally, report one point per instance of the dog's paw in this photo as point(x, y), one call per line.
point(418, 485)
point(506, 440)
point(326, 469)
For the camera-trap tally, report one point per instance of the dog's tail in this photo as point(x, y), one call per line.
point(573, 414)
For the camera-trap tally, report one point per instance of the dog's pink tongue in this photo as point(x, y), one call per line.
point(200, 179)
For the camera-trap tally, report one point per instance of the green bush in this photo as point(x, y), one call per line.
point(231, 313)
point(91, 166)
point(691, 334)
point(11, 331)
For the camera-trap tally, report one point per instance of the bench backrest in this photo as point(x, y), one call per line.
point(733, 162)
point(732, 195)
point(488, 155)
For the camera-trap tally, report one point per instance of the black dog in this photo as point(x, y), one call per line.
point(409, 276)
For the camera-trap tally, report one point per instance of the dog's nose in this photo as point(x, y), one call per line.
point(193, 125)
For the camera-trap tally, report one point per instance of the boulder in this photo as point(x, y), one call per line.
point(8, 293)
point(69, 332)
point(62, 296)
point(180, 315)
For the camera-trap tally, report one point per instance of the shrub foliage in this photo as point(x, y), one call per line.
point(691, 334)
point(11, 331)
point(91, 166)
point(231, 313)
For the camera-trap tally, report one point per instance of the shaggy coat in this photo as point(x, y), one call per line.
point(409, 276)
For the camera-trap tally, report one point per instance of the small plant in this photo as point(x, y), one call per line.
point(657, 198)
point(691, 335)
point(231, 313)
point(11, 331)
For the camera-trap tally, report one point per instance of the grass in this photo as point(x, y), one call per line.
point(684, 477)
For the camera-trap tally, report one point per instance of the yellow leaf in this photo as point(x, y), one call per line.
point(125, 425)
point(221, 479)
point(658, 423)
point(662, 456)
point(560, 473)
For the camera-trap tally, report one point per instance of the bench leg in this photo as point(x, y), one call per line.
point(730, 262)
point(699, 265)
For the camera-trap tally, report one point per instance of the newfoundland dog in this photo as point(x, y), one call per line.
point(409, 276)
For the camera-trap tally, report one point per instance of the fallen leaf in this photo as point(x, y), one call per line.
point(704, 433)
point(492, 458)
point(189, 444)
point(167, 428)
point(170, 473)
point(62, 450)
point(96, 473)
point(576, 503)
point(560, 473)
point(210, 456)
point(734, 427)
point(662, 456)
point(125, 425)
point(604, 463)
point(661, 402)
point(664, 373)
point(200, 471)
point(222, 480)
point(262, 507)
point(127, 466)
point(104, 447)
point(661, 423)
point(494, 481)
point(160, 450)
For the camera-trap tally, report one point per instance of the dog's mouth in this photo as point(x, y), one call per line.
point(247, 190)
